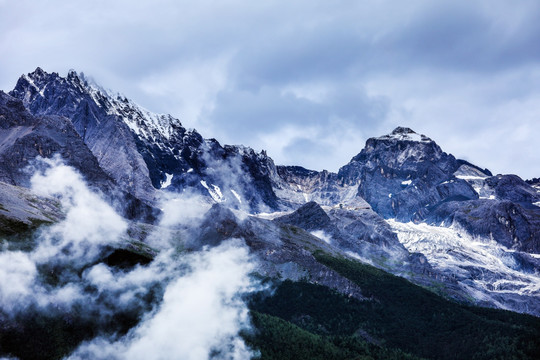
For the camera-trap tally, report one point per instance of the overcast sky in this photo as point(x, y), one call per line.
point(309, 81)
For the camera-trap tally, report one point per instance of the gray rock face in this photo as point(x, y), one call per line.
point(21, 210)
point(282, 250)
point(310, 217)
point(513, 188)
point(24, 137)
point(93, 118)
point(510, 224)
point(296, 186)
point(401, 173)
point(364, 235)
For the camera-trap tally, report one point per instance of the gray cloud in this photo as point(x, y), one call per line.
point(280, 75)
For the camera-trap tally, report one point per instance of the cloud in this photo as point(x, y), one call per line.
point(322, 235)
point(201, 314)
point(318, 129)
point(63, 248)
point(17, 275)
point(245, 72)
point(90, 223)
point(190, 305)
point(185, 210)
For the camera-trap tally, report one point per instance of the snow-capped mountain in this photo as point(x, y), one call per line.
point(401, 204)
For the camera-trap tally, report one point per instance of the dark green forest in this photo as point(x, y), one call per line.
point(400, 321)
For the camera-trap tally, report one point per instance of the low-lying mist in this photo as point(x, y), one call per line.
point(179, 305)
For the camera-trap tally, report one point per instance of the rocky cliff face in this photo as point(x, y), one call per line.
point(23, 137)
point(93, 116)
point(401, 173)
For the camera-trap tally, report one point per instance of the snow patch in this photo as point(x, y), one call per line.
point(168, 179)
point(470, 177)
point(271, 216)
point(214, 191)
point(236, 196)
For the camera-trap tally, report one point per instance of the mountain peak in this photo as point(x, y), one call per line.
point(38, 76)
point(405, 134)
point(77, 86)
point(403, 130)
point(39, 72)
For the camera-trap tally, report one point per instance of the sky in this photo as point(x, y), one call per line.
point(308, 81)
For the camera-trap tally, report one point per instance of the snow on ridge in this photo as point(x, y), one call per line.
point(470, 177)
point(405, 135)
point(27, 95)
point(168, 180)
point(140, 120)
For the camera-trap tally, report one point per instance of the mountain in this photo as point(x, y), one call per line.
point(25, 137)
point(403, 176)
point(401, 206)
point(401, 173)
point(142, 151)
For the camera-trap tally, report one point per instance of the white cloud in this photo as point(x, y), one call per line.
point(17, 275)
point(322, 235)
point(187, 90)
point(90, 223)
point(201, 314)
point(202, 310)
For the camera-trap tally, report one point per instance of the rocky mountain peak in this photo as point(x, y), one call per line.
point(77, 90)
point(38, 74)
point(403, 151)
point(395, 168)
point(309, 216)
point(403, 130)
point(405, 134)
